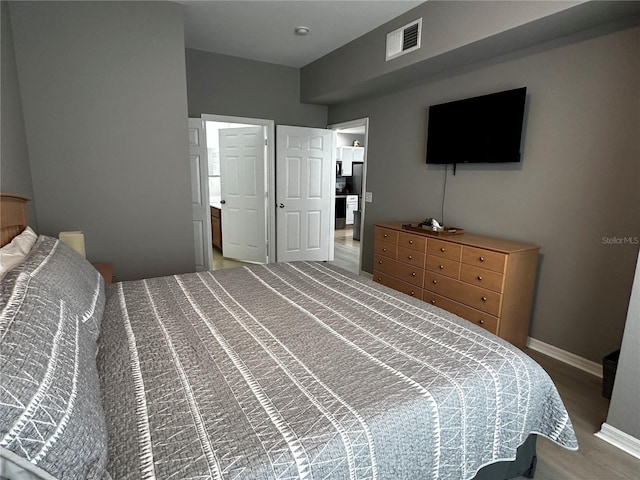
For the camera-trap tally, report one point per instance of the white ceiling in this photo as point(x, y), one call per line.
point(264, 29)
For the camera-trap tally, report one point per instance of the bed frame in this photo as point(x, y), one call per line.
point(13, 216)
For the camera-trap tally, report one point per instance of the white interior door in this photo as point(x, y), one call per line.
point(200, 195)
point(305, 185)
point(243, 187)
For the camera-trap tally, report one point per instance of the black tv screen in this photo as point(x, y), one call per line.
point(486, 129)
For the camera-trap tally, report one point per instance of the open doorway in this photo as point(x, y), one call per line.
point(235, 238)
point(305, 167)
point(351, 141)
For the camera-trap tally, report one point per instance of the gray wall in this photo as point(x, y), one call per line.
point(15, 174)
point(447, 27)
point(577, 184)
point(224, 85)
point(624, 413)
point(104, 99)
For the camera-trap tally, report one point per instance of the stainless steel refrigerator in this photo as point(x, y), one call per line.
point(356, 180)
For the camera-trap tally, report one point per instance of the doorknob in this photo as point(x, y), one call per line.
point(281, 205)
point(223, 202)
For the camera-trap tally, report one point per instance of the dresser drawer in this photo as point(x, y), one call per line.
point(396, 284)
point(386, 235)
point(475, 297)
point(412, 257)
point(482, 319)
point(414, 242)
point(402, 271)
point(484, 258)
point(481, 277)
point(387, 249)
point(443, 266)
point(449, 250)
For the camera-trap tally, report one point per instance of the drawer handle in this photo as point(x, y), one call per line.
point(435, 282)
point(441, 267)
point(433, 302)
point(481, 322)
point(410, 257)
point(410, 242)
point(380, 262)
point(413, 274)
point(442, 249)
point(385, 235)
point(412, 293)
point(384, 249)
point(484, 299)
point(482, 259)
point(379, 279)
point(479, 277)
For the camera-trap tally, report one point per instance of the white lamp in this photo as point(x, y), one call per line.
point(75, 240)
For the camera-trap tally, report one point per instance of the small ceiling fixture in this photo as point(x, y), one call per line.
point(302, 31)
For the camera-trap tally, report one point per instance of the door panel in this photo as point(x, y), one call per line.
point(292, 231)
point(196, 175)
point(293, 175)
point(243, 189)
point(253, 219)
point(304, 169)
point(314, 229)
point(200, 195)
point(315, 178)
point(198, 233)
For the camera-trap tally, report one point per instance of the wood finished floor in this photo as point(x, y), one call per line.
point(347, 253)
point(220, 262)
point(347, 250)
point(595, 459)
point(580, 391)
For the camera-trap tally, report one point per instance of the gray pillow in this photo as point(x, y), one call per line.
point(51, 417)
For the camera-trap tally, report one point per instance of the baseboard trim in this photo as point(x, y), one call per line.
point(566, 357)
point(619, 439)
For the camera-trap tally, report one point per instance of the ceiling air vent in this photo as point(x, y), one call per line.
point(404, 40)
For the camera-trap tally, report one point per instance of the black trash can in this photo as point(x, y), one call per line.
point(356, 225)
point(609, 367)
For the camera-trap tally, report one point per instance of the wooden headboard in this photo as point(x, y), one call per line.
point(13, 216)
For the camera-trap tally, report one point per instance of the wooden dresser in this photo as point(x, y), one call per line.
point(488, 281)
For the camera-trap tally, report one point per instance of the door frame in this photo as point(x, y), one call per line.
point(204, 187)
point(270, 172)
point(359, 122)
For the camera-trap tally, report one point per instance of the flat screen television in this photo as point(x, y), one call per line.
point(485, 129)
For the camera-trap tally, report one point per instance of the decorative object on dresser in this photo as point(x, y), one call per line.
point(488, 281)
point(441, 231)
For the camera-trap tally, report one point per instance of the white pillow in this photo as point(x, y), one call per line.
point(13, 253)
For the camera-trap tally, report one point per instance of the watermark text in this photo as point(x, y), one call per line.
point(620, 240)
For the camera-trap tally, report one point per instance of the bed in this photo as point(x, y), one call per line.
point(295, 370)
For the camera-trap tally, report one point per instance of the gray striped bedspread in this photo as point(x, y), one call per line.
point(304, 371)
